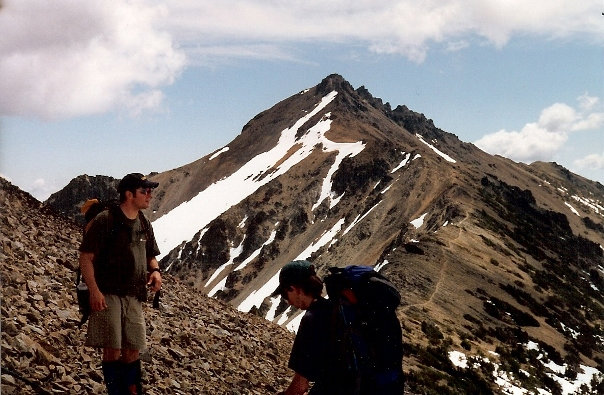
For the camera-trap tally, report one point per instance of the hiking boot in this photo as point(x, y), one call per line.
point(112, 372)
point(133, 377)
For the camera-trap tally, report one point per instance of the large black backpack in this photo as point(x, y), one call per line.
point(372, 289)
point(366, 333)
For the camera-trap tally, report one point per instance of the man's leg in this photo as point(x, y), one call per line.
point(104, 329)
point(112, 370)
point(133, 341)
point(132, 371)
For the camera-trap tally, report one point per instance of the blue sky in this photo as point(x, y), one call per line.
point(151, 85)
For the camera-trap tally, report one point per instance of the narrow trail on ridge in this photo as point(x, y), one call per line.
point(442, 270)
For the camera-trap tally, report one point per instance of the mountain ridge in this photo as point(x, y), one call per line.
point(341, 178)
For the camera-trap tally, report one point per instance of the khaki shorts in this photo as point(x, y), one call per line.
point(121, 325)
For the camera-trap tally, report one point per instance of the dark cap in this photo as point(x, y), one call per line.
point(293, 273)
point(134, 181)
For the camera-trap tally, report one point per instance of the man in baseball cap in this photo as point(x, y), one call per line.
point(294, 273)
point(134, 181)
point(300, 286)
point(117, 261)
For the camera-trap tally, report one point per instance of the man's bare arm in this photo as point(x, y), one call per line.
point(155, 276)
point(97, 300)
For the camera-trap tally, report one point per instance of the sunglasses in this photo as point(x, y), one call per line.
point(146, 191)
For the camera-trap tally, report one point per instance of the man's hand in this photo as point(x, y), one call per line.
point(154, 281)
point(97, 301)
point(298, 386)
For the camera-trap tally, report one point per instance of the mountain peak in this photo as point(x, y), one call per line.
point(334, 82)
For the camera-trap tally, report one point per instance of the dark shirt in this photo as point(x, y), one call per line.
point(311, 350)
point(121, 248)
point(321, 352)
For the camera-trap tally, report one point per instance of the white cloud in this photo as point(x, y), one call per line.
point(40, 189)
point(405, 27)
point(586, 102)
point(532, 143)
point(455, 46)
point(213, 54)
point(542, 139)
point(592, 161)
point(66, 58)
point(559, 117)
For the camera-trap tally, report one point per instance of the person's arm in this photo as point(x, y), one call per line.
point(298, 386)
point(97, 300)
point(155, 275)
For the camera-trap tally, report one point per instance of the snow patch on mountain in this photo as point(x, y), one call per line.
point(216, 154)
point(359, 219)
point(574, 210)
point(403, 163)
point(221, 286)
point(256, 297)
point(181, 223)
point(433, 148)
point(317, 135)
point(418, 222)
point(505, 380)
point(324, 239)
point(380, 266)
point(233, 253)
point(593, 204)
point(257, 252)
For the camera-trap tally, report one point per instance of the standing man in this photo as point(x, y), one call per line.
point(117, 261)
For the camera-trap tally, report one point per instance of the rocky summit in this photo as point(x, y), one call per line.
point(196, 345)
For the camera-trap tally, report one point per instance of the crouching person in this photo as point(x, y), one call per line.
point(117, 261)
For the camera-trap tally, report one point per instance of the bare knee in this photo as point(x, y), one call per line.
point(111, 354)
point(130, 355)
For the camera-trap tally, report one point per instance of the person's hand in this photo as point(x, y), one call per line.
point(97, 301)
point(154, 281)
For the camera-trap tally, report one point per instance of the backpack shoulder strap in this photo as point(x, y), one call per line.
point(344, 367)
point(112, 223)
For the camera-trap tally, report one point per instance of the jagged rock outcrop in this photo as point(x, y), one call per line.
point(68, 200)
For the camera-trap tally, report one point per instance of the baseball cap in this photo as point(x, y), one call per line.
point(293, 273)
point(133, 181)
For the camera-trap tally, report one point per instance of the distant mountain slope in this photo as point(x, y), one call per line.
point(488, 254)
